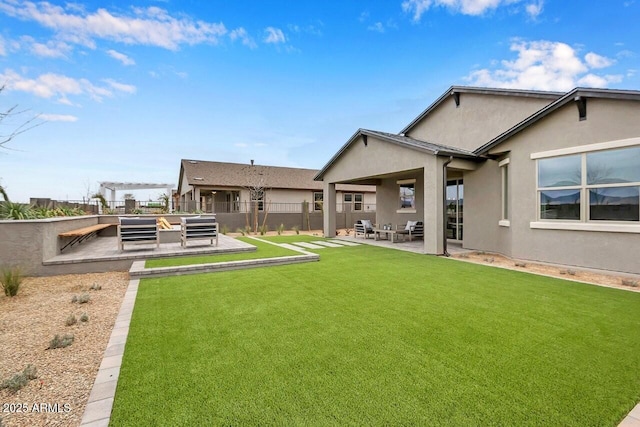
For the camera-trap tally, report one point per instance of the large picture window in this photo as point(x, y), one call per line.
point(594, 186)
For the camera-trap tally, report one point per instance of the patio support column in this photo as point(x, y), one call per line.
point(433, 206)
point(329, 209)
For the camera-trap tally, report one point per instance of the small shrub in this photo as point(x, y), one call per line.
point(71, 320)
point(296, 229)
point(81, 299)
point(11, 279)
point(465, 256)
point(521, 264)
point(224, 230)
point(264, 229)
point(61, 342)
point(20, 379)
point(630, 282)
point(84, 318)
point(95, 287)
point(280, 229)
point(489, 260)
point(568, 272)
point(241, 231)
point(247, 230)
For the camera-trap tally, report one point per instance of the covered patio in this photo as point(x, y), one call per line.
point(410, 177)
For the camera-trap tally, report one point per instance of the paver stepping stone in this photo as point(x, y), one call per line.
point(308, 245)
point(327, 244)
point(290, 246)
point(344, 242)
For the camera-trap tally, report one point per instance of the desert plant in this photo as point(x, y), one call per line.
point(11, 210)
point(224, 230)
point(241, 231)
point(84, 318)
point(630, 282)
point(11, 279)
point(247, 230)
point(264, 229)
point(520, 264)
point(21, 379)
point(81, 299)
point(60, 342)
point(137, 211)
point(71, 320)
point(280, 229)
point(296, 229)
point(95, 287)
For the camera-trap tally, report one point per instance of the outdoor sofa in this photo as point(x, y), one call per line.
point(411, 229)
point(364, 227)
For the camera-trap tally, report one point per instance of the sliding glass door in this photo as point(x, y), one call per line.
point(455, 209)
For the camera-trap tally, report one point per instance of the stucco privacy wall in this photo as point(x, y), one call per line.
point(607, 120)
point(478, 119)
point(28, 243)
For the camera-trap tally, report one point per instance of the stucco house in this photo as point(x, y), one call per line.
point(221, 187)
point(543, 176)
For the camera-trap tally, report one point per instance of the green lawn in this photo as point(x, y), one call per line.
point(263, 250)
point(373, 336)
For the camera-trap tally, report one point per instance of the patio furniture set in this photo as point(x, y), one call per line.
point(412, 229)
point(146, 230)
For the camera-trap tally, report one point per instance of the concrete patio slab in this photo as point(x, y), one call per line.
point(327, 244)
point(308, 245)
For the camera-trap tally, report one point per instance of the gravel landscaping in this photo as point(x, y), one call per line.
point(29, 321)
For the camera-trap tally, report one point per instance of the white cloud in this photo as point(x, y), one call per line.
point(597, 61)
point(52, 49)
point(465, 7)
point(148, 26)
point(241, 145)
point(51, 85)
point(121, 87)
point(274, 35)
point(58, 117)
point(534, 9)
point(124, 59)
point(545, 65)
point(241, 34)
point(377, 27)
point(3, 50)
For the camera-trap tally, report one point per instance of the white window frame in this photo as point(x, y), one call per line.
point(504, 193)
point(400, 183)
point(584, 224)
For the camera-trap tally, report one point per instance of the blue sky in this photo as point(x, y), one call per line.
point(124, 92)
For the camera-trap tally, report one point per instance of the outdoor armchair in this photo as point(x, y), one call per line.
point(411, 229)
point(364, 227)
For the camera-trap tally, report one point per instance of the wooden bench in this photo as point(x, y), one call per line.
point(198, 228)
point(138, 230)
point(82, 234)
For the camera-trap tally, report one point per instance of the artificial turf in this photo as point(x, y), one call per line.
point(373, 336)
point(263, 250)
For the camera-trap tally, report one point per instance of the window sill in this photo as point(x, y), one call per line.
point(581, 226)
point(403, 211)
point(504, 223)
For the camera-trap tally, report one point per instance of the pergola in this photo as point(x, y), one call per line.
point(115, 186)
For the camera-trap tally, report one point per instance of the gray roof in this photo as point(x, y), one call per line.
point(436, 149)
point(236, 175)
point(571, 96)
point(401, 140)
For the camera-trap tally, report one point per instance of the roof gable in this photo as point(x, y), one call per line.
point(400, 140)
point(456, 91)
point(578, 95)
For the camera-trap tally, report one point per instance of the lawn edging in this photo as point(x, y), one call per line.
point(139, 271)
point(100, 403)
